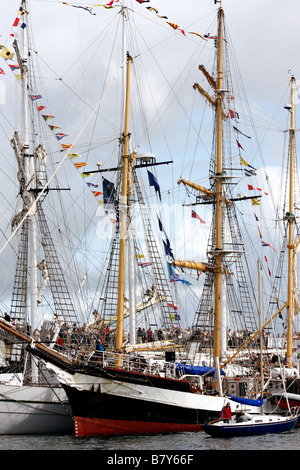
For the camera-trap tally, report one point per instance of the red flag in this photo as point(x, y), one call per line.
point(196, 216)
point(239, 145)
point(250, 187)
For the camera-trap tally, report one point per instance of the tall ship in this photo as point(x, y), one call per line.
point(132, 368)
point(32, 401)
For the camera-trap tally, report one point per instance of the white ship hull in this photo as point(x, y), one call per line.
point(34, 409)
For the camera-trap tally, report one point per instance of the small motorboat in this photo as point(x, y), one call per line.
point(255, 425)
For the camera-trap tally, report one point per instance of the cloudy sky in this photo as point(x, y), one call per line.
point(74, 46)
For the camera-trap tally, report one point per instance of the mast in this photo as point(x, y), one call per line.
point(218, 196)
point(123, 215)
point(29, 187)
point(260, 329)
point(291, 234)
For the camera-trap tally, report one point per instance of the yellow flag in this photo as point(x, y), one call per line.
point(73, 155)
point(85, 175)
point(6, 53)
point(255, 201)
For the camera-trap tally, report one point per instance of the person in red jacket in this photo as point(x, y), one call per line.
point(226, 413)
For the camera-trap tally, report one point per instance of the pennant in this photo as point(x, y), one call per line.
point(47, 117)
point(249, 172)
point(79, 165)
point(53, 129)
point(260, 235)
point(85, 175)
point(59, 135)
point(144, 265)
point(6, 53)
point(240, 132)
point(239, 145)
point(176, 26)
point(197, 34)
point(89, 9)
point(2, 72)
point(258, 189)
point(233, 114)
point(247, 164)
point(152, 9)
point(153, 182)
point(208, 36)
point(91, 185)
point(143, 1)
point(196, 216)
point(64, 146)
point(267, 244)
point(14, 67)
point(36, 97)
point(96, 193)
point(73, 155)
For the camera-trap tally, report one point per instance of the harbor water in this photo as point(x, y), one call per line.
point(180, 444)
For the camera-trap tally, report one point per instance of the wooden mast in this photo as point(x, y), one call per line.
point(123, 215)
point(218, 196)
point(291, 235)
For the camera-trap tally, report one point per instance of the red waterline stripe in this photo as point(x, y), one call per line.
point(87, 427)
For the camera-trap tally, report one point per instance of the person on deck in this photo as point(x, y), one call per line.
point(226, 413)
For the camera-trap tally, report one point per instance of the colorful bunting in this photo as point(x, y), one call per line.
point(59, 135)
point(47, 117)
point(13, 67)
point(250, 171)
point(267, 244)
point(250, 187)
point(175, 276)
point(79, 165)
point(36, 97)
point(197, 34)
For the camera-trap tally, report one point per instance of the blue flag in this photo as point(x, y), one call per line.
point(153, 182)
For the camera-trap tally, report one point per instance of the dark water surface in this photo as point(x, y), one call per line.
point(182, 443)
